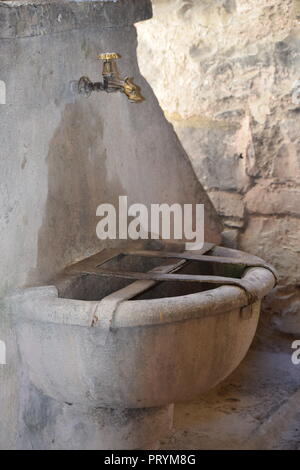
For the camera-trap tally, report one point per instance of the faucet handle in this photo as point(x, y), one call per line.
point(107, 56)
point(109, 65)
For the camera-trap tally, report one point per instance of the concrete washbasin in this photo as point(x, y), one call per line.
point(110, 342)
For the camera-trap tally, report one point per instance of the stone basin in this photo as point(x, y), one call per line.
point(169, 343)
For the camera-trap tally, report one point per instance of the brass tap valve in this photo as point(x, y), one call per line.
point(111, 80)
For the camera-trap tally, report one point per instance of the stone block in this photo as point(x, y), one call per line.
point(273, 199)
point(277, 241)
point(227, 204)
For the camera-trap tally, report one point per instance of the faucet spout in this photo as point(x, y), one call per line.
point(132, 91)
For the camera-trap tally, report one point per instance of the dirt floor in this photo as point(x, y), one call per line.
point(257, 407)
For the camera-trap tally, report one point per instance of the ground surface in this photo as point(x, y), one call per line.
point(257, 407)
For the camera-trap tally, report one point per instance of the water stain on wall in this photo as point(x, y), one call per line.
point(77, 184)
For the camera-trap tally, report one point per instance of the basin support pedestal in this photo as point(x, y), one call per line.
point(62, 426)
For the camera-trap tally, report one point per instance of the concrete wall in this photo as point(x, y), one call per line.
point(63, 156)
point(226, 73)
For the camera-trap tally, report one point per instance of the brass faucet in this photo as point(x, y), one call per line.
point(111, 80)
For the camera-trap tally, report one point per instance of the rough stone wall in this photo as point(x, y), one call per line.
point(227, 75)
